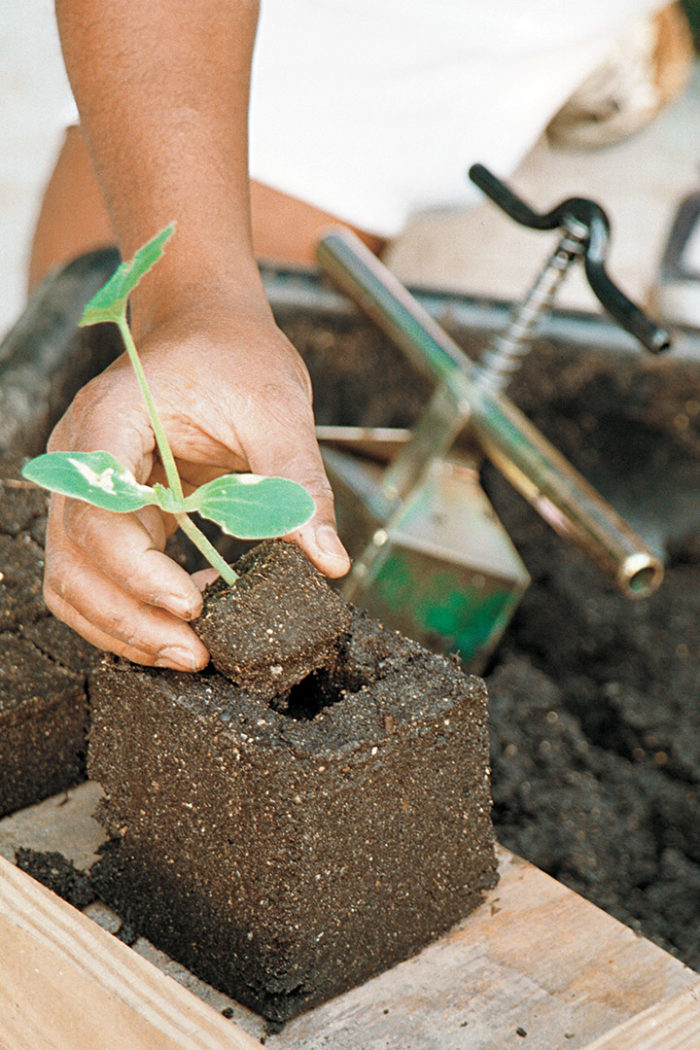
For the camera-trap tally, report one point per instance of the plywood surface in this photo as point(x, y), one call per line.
point(535, 968)
point(66, 984)
point(671, 1025)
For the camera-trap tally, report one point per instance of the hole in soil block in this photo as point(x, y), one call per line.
point(309, 697)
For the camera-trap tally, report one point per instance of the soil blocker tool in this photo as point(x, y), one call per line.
point(430, 556)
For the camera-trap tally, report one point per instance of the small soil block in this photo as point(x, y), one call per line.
point(278, 623)
point(287, 855)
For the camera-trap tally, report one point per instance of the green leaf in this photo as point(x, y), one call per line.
point(95, 477)
point(109, 304)
point(253, 507)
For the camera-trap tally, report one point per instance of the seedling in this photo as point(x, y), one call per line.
point(248, 506)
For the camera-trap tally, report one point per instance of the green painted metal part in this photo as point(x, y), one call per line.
point(441, 569)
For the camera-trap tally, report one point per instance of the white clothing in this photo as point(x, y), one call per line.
point(375, 109)
point(36, 105)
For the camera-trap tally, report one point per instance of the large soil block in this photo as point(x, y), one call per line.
point(43, 716)
point(286, 852)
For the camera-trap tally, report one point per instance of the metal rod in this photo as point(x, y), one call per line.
point(378, 443)
point(433, 436)
point(530, 463)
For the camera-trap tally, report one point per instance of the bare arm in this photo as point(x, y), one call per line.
point(162, 88)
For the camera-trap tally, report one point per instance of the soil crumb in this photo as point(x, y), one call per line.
point(58, 874)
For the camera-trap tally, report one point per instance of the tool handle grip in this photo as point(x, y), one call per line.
point(588, 219)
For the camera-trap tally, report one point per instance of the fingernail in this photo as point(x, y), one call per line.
point(329, 543)
point(177, 658)
point(178, 605)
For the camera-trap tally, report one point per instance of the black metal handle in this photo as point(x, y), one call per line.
point(579, 212)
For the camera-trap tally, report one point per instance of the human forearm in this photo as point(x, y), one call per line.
point(163, 88)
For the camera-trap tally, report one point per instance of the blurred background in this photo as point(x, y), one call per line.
point(640, 182)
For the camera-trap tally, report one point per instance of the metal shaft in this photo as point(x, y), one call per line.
point(530, 463)
point(506, 350)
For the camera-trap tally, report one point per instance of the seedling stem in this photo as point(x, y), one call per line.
point(168, 460)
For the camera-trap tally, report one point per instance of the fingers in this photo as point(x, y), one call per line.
point(118, 590)
point(319, 537)
point(153, 648)
point(203, 577)
point(107, 575)
point(128, 548)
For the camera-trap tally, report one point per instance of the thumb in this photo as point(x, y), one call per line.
point(319, 537)
point(295, 455)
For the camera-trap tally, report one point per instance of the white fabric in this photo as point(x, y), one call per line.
point(374, 109)
point(35, 104)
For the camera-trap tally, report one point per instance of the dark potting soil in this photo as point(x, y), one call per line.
point(61, 876)
point(594, 699)
point(279, 622)
point(595, 746)
point(610, 761)
point(43, 664)
point(288, 851)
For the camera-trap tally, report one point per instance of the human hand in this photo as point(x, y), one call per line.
point(233, 395)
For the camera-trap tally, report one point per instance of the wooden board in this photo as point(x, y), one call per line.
point(535, 968)
point(671, 1025)
point(66, 984)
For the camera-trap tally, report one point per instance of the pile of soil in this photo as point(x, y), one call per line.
point(595, 739)
point(594, 698)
